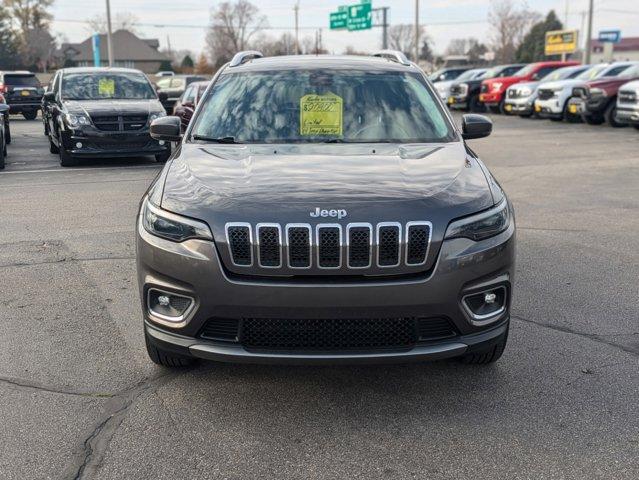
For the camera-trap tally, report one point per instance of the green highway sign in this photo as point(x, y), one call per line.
point(339, 19)
point(353, 17)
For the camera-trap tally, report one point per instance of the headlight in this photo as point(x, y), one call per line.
point(525, 92)
point(481, 226)
point(76, 119)
point(497, 86)
point(463, 89)
point(171, 226)
point(156, 115)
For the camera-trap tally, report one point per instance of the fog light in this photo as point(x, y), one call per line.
point(487, 304)
point(161, 142)
point(78, 145)
point(168, 306)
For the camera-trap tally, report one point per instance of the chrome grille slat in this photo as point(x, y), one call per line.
point(329, 245)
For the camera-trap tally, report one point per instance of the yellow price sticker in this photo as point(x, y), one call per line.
point(106, 87)
point(321, 114)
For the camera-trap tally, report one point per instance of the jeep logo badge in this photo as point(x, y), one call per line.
point(340, 213)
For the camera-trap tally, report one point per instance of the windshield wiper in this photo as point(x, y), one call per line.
point(203, 138)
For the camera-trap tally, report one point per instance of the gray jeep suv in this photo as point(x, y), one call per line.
point(324, 209)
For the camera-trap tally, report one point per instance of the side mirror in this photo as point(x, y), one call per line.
point(49, 97)
point(163, 97)
point(476, 126)
point(167, 129)
point(535, 76)
point(4, 108)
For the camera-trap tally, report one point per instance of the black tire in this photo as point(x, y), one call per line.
point(162, 157)
point(7, 134)
point(593, 120)
point(53, 148)
point(3, 154)
point(488, 356)
point(474, 105)
point(502, 107)
point(636, 126)
point(164, 358)
point(66, 160)
point(611, 114)
point(30, 115)
point(556, 119)
point(46, 129)
point(494, 109)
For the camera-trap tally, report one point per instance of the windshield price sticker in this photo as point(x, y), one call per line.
point(106, 87)
point(321, 114)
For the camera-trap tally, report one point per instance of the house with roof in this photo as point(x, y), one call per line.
point(129, 51)
point(626, 50)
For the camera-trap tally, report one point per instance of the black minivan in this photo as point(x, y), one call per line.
point(102, 112)
point(23, 92)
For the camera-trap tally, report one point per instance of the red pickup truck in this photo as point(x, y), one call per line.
point(493, 90)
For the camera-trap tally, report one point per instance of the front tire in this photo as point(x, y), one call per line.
point(30, 115)
point(7, 135)
point(53, 148)
point(3, 155)
point(164, 358)
point(489, 356)
point(66, 159)
point(611, 114)
point(593, 120)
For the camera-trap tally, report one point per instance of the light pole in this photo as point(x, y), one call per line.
point(296, 8)
point(109, 39)
point(416, 54)
point(589, 34)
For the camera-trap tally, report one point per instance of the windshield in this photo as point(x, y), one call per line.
point(468, 75)
point(19, 80)
point(561, 73)
point(630, 72)
point(305, 106)
point(106, 86)
point(445, 74)
point(525, 71)
point(592, 72)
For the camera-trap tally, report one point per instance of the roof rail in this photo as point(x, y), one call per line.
point(241, 57)
point(393, 55)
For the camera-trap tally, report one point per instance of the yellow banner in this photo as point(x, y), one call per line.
point(561, 41)
point(106, 87)
point(321, 114)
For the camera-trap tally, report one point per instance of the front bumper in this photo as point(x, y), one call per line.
point(457, 102)
point(519, 106)
point(550, 108)
point(92, 143)
point(193, 268)
point(19, 107)
point(491, 99)
point(628, 115)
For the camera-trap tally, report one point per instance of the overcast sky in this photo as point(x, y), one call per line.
point(444, 19)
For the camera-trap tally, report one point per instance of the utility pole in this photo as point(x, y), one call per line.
point(384, 28)
point(589, 33)
point(416, 54)
point(109, 39)
point(296, 8)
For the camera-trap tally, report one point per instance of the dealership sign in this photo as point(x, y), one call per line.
point(559, 42)
point(610, 36)
point(353, 17)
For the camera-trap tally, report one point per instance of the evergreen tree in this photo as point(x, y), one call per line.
point(8, 42)
point(187, 63)
point(531, 48)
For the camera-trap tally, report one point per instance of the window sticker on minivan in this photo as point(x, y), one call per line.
point(106, 87)
point(321, 114)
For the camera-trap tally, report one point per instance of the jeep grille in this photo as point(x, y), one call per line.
point(329, 246)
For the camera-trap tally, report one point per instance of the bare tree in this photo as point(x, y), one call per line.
point(402, 37)
point(30, 14)
point(121, 21)
point(509, 22)
point(36, 44)
point(233, 24)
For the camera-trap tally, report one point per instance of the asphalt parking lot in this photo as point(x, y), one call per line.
point(80, 399)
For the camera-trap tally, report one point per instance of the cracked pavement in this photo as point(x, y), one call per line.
point(80, 399)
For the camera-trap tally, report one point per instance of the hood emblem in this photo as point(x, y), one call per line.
point(321, 212)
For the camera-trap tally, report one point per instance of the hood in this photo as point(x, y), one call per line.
point(610, 82)
point(634, 85)
point(283, 184)
point(505, 80)
point(113, 107)
point(444, 85)
point(569, 83)
point(531, 85)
